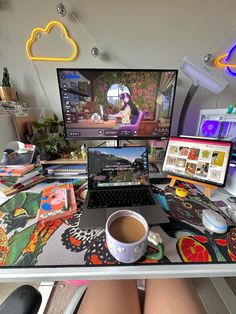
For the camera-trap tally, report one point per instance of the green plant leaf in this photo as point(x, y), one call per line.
point(50, 142)
point(17, 243)
point(55, 117)
point(37, 125)
point(42, 138)
point(15, 202)
point(32, 203)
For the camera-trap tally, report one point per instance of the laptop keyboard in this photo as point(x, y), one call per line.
point(117, 198)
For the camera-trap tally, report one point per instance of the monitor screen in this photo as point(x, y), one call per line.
point(105, 103)
point(198, 159)
point(117, 166)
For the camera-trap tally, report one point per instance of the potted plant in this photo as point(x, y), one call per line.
point(49, 137)
point(7, 92)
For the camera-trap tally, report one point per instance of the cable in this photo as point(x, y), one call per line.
point(91, 39)
point(83, 29)
point(216, 106)
point(218, 40)
point(47, 105)
point(44, 92)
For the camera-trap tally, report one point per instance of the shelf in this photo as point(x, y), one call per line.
point(81, 161)
point(63, 161)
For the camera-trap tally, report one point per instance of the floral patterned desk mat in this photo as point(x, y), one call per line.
point(26, 242)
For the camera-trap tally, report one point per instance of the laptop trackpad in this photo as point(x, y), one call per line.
point(110, 211)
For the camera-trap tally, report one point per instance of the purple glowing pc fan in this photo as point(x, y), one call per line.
point(210, 128)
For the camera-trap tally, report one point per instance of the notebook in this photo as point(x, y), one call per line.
point(16, 171)
point(118, 178)
point(57, 202)
point(67, 169)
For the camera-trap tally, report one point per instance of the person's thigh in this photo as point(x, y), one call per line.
point(168, 296)
point(111, 296)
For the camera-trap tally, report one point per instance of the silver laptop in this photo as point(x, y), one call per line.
point(118, 179)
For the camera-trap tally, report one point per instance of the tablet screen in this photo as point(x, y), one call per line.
point(198, 159)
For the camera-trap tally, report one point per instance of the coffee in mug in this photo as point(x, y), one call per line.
point(127, 235)
point(127, 229)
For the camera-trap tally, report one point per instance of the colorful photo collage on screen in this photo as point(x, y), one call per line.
point(201, 160)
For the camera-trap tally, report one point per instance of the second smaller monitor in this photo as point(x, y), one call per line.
point(198, 159)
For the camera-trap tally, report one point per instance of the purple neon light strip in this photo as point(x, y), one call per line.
point(227, 59)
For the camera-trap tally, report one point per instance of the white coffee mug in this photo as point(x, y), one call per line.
point(132, 252)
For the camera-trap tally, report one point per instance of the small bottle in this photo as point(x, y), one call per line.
point(231, 108)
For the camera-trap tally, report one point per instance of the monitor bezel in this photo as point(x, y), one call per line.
point(193, 178)
point(118, 137)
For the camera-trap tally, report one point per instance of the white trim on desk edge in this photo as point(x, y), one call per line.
point(118, 272)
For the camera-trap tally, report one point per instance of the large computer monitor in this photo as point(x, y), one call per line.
point(117, 104)
point(202, 160)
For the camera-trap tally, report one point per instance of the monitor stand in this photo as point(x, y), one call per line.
point(113, 143)
point(159, 180)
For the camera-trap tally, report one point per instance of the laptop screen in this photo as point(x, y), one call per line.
point(117, 166)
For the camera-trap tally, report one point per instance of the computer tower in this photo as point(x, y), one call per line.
point(218, 124)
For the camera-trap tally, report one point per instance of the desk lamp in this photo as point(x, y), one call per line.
point(202, 75)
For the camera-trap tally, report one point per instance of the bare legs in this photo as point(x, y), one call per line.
point(111, 296)
point(164, 296)
point(168, 296)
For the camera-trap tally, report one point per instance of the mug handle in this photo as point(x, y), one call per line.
point(155, 239)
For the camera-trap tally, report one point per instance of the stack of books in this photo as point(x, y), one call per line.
point(14, 179)
point(15, 170)
point(78, 171)
point(57, 201)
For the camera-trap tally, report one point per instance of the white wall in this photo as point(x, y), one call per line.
point(134, 34)
point(7, 132)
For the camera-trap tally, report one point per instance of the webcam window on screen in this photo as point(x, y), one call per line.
point(201, 160)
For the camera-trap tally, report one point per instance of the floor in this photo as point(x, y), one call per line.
point(62, 294)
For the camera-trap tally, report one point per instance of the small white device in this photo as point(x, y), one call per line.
point(213, 221)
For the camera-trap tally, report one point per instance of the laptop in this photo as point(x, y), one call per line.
point(118, 178)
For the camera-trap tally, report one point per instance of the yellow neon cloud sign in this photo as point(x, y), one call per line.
point(48, 29)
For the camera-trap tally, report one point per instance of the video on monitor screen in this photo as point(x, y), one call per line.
point(104, 103)
point(197, 159)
